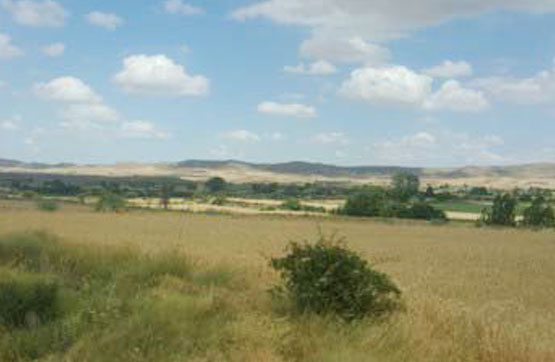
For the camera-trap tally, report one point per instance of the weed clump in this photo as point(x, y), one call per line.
point(327, 278)
point(27, 299)
point(47, 205)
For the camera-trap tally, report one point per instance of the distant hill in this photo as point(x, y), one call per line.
point(302, 168)
point(503, 177)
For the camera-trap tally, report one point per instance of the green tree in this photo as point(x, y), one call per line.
point(215, 185)
point(539, 214)
point(503, 211)
point(366, 202)
point(404, 185)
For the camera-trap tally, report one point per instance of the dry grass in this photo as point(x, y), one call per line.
point(472, 294)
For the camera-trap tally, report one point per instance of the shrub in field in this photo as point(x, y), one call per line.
point(539, 214)
point(503, 211)
point(327, 278)
point(47, 205)
point(292, 204)
point(27, 299)
point(110, 202)
point(423, 211)
point(366, 202)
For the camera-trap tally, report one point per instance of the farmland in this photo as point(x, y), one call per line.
point(470, 294)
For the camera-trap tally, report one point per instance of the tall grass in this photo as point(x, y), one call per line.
point(114, 304)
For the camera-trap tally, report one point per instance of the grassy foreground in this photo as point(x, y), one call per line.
point(155, 286)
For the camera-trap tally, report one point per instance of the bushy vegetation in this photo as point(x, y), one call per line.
point(379, 202)
point(540, 214)
point(82, 303)
point(502, 213)
point(47, 205)
point(327, 278)
point(27, 299)
point(110, 202)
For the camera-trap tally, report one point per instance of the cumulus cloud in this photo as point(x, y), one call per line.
point(7, 49)
point(287, 109)
point(375, 22)
point(331, 138)
point(449, 69)
point(88, 115)
point(46, 13)
point(399, 85)
point(537, 89)
point(159, 75)
point(108, 21)
point(320, 67)
point(179, 7)
point(387, 85)
point(452, 96)
point(142, 129)
point(344, 50)
point(378, 19)
point(54, 50)
point(67, 89)
point(242, 136)
point(437, 148)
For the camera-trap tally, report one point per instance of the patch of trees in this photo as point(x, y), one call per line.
point(539, 214)
point(401, 200)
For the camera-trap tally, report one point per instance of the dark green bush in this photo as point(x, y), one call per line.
point(366, 202)
point(325, 277)
point(27, 299)
point(539, 215)
point(292, 204)
point(423, 211)
point(47, 205)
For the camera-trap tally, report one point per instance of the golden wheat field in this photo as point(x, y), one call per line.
point(484, 295)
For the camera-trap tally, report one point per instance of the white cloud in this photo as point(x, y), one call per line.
point(331, 138)
point(108, 21)
point(536, 89)
point(159, 75)
point(437, 148)
point(179, 7)
point(54, 50)
point(242, 136)
point(452, 96)
point(11, 124)
point(88, 115)
point(320, 67)
point(378, 20)
point(7, 49)
point(287, 109)
point(67, 89)
point(387, 85)
point(45, 13)
point(344, 50)
point(142, 129)
point(374, 22)
point(449, 69)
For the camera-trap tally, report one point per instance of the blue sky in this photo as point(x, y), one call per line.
point(435, 83)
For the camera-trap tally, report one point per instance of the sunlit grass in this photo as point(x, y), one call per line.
point(470, 294)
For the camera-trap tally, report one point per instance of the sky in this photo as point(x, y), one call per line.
point(431, 83)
